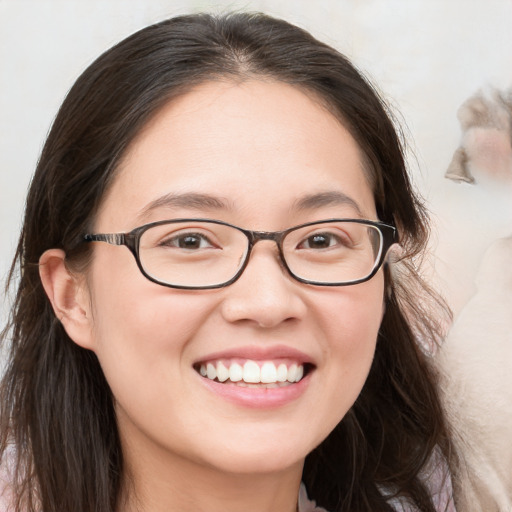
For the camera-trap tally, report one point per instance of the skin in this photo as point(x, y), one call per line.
point(259, 146)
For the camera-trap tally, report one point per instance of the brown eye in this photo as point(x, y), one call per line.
point(188, 241)
point(321, 241)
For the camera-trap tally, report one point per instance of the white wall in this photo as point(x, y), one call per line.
point(426, 55)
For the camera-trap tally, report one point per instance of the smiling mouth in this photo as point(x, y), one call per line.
point(254, 374)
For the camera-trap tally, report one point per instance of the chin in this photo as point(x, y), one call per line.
point(258, 456)
point(260, 463)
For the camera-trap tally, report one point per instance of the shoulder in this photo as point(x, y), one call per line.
point(305, 504)
point(6, 480)
point(9, 500)
point(436, 477)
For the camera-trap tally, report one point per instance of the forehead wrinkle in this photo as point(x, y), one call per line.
point(328, 198)
point(190, 201)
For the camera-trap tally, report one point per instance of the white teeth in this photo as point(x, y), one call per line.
point(222, 372)
point(268, 373)
point(211, 372)
point(251, 374)
point(282, 373)
point(236, 373)
point(292, 373)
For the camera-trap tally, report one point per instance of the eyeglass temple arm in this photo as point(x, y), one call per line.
point(110, 238)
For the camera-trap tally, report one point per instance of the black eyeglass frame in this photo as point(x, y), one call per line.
point(132, 241)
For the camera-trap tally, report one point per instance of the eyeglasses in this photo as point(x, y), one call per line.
point(205, 253)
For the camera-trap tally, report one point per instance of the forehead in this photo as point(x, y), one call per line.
point(255, 145)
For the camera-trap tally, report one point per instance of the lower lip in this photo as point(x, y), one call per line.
point(258, 398)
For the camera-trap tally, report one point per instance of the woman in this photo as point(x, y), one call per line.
point(250, 336)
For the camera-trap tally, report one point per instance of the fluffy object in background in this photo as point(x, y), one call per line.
point(485, 149)
point(475, 364)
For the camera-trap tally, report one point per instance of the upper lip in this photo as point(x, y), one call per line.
point(259, 353)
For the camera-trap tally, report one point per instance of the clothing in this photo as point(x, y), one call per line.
point(305, 504)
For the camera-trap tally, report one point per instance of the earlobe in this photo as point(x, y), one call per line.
point(68, 295)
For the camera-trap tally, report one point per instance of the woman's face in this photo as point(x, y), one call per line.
point(249, 154)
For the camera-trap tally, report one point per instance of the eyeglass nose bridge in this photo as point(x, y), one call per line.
point(256, 236)
point(272, 236)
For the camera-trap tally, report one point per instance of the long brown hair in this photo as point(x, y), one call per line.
point(56, 406)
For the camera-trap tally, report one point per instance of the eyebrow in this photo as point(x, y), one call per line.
point(329, 198)
point(207, 202)
point(193, 201)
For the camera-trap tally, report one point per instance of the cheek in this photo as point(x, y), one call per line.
point(147, 326)
point(126, 304)
point(352, 316)
point(137, 324)
point(352, 322)
point(144, 346)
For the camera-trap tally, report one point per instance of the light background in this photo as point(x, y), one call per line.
point(427, 56)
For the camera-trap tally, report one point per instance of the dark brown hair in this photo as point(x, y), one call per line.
point(56, 406)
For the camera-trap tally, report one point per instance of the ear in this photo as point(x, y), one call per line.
point(69, 297)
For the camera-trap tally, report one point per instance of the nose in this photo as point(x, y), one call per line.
point(265, 294)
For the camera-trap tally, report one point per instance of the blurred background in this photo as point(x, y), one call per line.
point(426, 57)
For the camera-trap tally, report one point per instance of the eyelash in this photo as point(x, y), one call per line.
point(337, 239)
point(174, 241)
